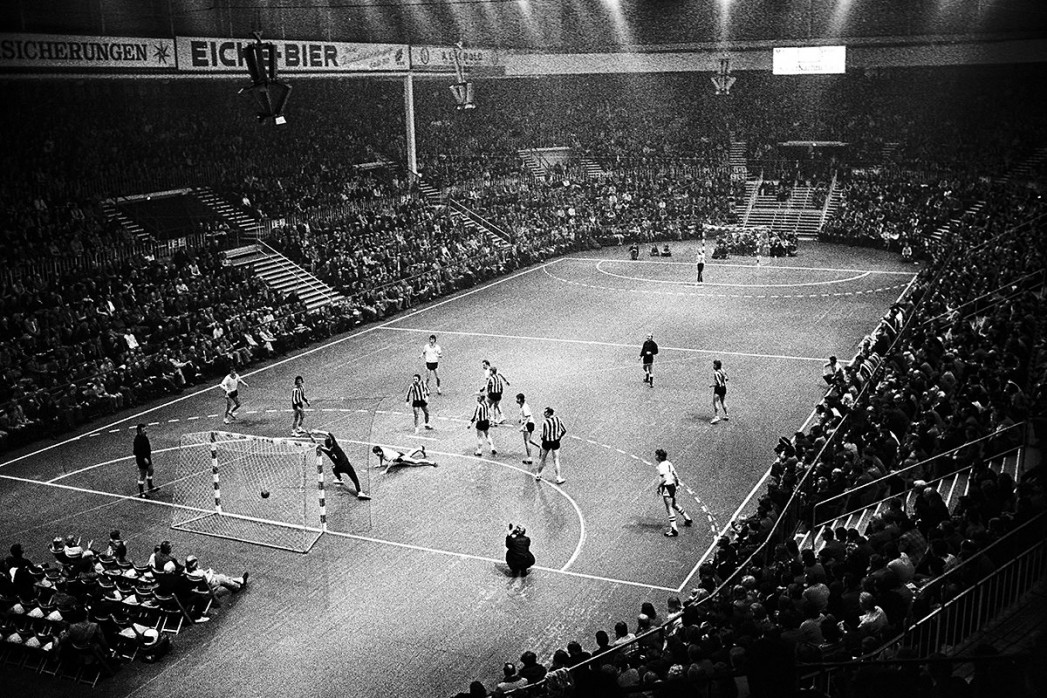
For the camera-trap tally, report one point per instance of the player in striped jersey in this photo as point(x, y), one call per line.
point(719, 386)
point(552, 431)
point(432, 352)
point(526, 425)
point(481, 420)
point(418, 399)
point(667, 484)
point(496, 383)
point(298, 404)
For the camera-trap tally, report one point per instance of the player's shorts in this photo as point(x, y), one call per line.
point(550, 445)
point(297, 406)
point(648, 360)
point(720, 391)
point(529, 427)
point(668, 491)
point(144, 467)
point(494, 398)
point(483, 425)
point(419, 403)
point(431, 365)
point(233, 395)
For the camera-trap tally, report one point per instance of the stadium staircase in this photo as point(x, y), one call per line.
point(283, 275)
point(938, 234)
point(236, 217)
point(1030, 168)
point(951, 487)
point(738, 159)
point(113, 213)
point(799, 214)
point(591, 168)
point(430, 193)
point(888, 152)
point(473, 221)
point(532, 161)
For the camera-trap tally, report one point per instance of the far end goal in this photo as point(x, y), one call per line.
point(250, 488)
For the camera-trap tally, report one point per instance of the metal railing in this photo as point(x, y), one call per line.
point(959, 608)
point(880, 481)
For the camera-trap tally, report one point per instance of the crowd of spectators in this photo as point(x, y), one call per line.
point(898, 208)
point(92, 607)
point(78, 346)
point(938, 387)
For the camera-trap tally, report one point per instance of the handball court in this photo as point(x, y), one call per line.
point(408, 594)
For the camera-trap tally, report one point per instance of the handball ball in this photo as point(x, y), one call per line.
point(265, 494)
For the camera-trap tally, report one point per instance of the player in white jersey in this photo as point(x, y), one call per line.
point(390, 457)
point(298, 404)
point(526, 425)
point(668, 481)
point(431, 353)
point(231, 385)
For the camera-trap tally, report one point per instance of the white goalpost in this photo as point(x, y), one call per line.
point(250, 488)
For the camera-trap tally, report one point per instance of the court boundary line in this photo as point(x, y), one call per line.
point(341, 534)
point(281, 362)
point(767, 473)
point(740, 266)
point(863, 275)
point(618, 345)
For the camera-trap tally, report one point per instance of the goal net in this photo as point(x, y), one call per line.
point(249, 488)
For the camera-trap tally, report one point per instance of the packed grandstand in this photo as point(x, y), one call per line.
point(940, 167)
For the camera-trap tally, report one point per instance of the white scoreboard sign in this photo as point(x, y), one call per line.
point(809, 60)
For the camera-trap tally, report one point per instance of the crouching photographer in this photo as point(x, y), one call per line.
point(518, 551)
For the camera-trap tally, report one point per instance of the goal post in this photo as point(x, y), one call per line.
point(251, 489)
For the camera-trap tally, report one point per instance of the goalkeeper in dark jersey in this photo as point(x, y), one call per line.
point(339, 461)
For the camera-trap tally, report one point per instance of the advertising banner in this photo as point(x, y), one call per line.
point(441, 58)
point(201, 54)
point(61, 51)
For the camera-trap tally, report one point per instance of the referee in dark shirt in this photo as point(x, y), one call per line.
point(552, 431)
point(647, 354)
point(143, 452)
point(418, 399)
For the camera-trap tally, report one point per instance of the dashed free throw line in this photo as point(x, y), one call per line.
point(674, 282)
point(745, 296)
point(738, 266)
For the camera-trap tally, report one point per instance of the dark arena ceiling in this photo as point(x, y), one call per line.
point(561, 25)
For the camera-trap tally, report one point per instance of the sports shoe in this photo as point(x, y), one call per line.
point(672, 533)
point(143, 495)
point(478, 453)
point(417, 430)
point(537, 478)
point(438, 392)
point(225, 421)
point(527, 461)
point(688, 522)
point(202, 619)
point(363, 496)
point(726, 418)
point(246, 574)
point(494, 452)
point(714, 420)
point(429, 427)
point(560, 480)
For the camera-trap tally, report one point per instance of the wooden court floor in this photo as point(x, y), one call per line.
point(407, 594)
